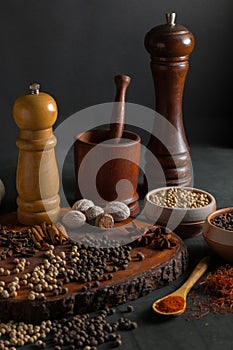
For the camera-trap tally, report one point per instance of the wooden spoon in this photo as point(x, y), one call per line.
point(182, 292)
point(118, 115)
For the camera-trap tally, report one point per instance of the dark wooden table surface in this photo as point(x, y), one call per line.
point(213, 172)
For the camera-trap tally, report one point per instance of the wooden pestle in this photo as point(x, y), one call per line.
point(118, 115)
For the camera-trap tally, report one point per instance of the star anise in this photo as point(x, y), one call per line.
point(157, 236)
point(163, 241)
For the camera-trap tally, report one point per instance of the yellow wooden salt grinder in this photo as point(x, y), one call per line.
point(37, 179)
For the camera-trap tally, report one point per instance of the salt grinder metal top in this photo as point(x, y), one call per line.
point(169, 46)
point(37, 178)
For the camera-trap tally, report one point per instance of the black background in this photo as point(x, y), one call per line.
point(74, 48)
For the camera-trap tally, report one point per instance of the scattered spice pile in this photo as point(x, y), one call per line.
point(218, 289)
point(78, 264)
point(78, 332)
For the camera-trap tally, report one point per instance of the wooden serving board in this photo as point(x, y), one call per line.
point(158, 269)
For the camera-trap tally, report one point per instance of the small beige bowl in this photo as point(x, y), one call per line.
point(219, 239)
point(186, 222)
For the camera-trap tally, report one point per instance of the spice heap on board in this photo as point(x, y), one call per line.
point(79, 264)
point(30, 238)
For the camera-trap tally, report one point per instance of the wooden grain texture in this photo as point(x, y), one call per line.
point(107, 161)
point(159, 268)
point(169, 47)
point(101, 164)
point(37, 179)
point(119, 108)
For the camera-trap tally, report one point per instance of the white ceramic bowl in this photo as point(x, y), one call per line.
point(187, 220)
point(219, 239)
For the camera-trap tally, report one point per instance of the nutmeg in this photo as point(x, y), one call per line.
point(74, 219)
point(92, 213)
point(119, 210)
point(104, 220)
point(82, 205)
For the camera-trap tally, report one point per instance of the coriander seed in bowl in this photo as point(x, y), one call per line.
point(181, 209)
point(178, 197)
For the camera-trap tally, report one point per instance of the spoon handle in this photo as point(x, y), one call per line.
point(198, 271)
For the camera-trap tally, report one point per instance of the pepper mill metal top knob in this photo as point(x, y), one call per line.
point(169, 40)
point(35, 88)
point(169, 46)
point(37, 178)
point(35, 110)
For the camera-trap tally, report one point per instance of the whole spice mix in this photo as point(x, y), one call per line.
point(79, 332)
point(78, 263)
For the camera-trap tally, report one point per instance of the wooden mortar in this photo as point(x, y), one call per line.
point(115, 158)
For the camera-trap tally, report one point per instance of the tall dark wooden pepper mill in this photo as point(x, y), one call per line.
point(169, 46)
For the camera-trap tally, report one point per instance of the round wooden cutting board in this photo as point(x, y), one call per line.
point(159, 268)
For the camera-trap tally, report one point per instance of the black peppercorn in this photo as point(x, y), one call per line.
point(117, 342)
point(57, 347)
point(96, 284)
point(130, 308)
